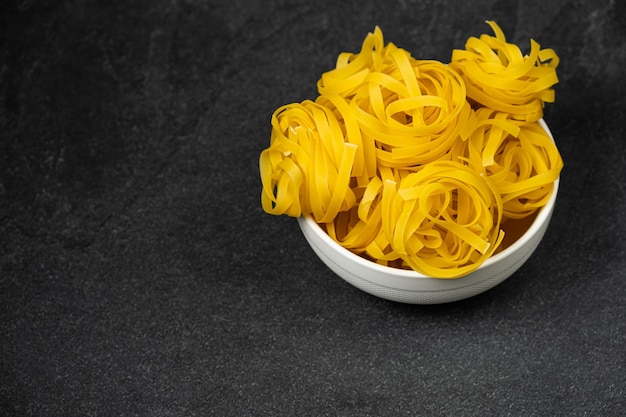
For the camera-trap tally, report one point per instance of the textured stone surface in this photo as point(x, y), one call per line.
point(139, 275)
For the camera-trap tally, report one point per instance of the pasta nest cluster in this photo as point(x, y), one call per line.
point(415, 163)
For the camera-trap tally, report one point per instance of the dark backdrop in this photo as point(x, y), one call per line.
point(139, 275)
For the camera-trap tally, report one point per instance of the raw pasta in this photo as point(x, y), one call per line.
point(499, 76)
point(416, 163)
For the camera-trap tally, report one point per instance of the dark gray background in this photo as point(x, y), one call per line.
point(139, 275)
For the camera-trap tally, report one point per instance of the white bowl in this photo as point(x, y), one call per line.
point(407, 286)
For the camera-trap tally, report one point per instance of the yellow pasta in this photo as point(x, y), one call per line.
point(442, 220)
point(409, 111)
point(500, 77)
point(308, 164)
point(352, 69)
point(445, 219)
point(413, 116)
point(519, 158)
point(414, 163)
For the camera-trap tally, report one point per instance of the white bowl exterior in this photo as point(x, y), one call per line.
point(408, 286)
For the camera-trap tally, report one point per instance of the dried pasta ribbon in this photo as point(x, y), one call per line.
point(409, 111)
point(500, 77)
point(519, 158)
point(444, 220)
point(351, 69)
point(360, 229)
point(415, 112)
point(308, 165)
point(357, 228)
point(364, 166)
